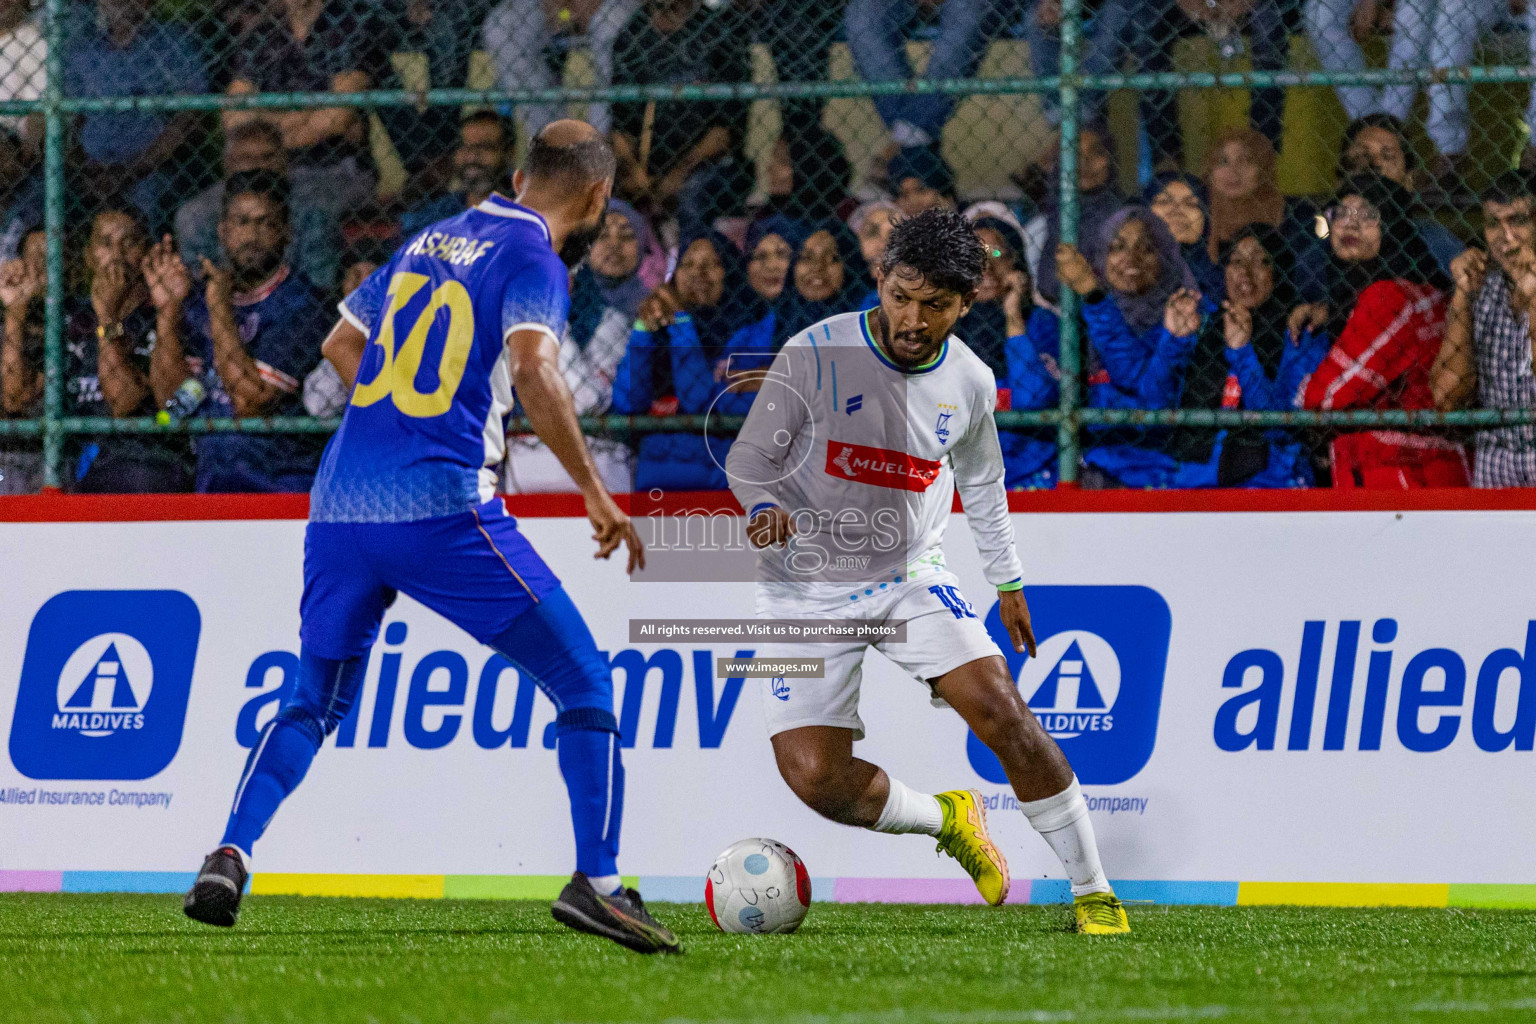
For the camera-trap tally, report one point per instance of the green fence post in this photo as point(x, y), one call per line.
point(1067, 359)
point(53, 221)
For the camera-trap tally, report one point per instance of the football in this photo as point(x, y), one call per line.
point(758, 886)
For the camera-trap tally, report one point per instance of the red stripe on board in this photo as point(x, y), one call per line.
point(90, 508)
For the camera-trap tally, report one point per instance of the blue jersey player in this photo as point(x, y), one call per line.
point(434, 345)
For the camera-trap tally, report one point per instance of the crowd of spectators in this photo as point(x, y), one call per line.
point(201, 283)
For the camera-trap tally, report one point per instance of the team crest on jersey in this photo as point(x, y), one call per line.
point(941, 428)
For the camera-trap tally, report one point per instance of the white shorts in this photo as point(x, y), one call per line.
point(944, 631)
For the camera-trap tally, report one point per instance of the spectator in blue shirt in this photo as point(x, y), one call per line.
point(772, 245)
point(703, 305)
point(480, 166)
point(827, 277)
point(1143, 316)
point(253, 337)
point(1243, 359)
point(121, 51)
point(1024, 340)
point(984, 329)
point(1179, 201)
point(316, 242)
point(1258, 362)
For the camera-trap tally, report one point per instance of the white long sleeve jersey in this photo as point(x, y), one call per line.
point(866, 457)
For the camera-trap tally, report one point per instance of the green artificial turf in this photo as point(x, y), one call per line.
point(106, 958)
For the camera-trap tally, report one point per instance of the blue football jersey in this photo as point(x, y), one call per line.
point(425, 432)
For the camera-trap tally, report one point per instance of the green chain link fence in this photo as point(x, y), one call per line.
point(1210, 85)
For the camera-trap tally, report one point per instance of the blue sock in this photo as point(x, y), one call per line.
point(552, 644)
point(277, 764)
point(594, 778)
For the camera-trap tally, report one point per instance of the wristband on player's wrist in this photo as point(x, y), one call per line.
point(761, 506)
point(1011, 586)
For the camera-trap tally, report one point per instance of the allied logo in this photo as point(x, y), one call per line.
point(104, 684)
point(1097, 683)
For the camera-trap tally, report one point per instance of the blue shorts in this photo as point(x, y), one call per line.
point(474, 568)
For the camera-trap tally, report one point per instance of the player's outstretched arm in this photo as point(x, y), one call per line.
point(551, 411)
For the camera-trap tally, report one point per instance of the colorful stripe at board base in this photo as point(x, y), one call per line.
point(690, 889)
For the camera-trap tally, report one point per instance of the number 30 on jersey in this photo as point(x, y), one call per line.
point(397, 379)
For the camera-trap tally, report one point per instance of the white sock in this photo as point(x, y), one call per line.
point(1062, 820)
point(907, 810)
point(606, 885)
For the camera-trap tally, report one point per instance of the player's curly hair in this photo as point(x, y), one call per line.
point(940, 247)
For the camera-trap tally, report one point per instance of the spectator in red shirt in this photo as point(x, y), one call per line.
point(1386, 314)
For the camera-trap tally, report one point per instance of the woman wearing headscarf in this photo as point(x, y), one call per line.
point(1386, 315)
point(1179, 201)
point(1030, 340)
point(605, 300)
point(1143, 316)
point(826, 278)
point(772, 246)
point(872, 223)
point(1377, 142)
point(1243, 188)
point(984, 329)
point(706, 301)
point(829, 277)
point(1098, 197)
point(1244, 360)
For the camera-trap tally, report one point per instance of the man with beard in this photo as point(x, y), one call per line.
point(479, 164)
point(878, 474)
point(316, 241)
point(1489, 344)
point(405, 501)
point(255, 335)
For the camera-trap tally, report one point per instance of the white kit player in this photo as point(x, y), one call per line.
point(863, 428)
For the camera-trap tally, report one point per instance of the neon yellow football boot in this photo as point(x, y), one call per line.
point(964, 837)
point(1100, 913)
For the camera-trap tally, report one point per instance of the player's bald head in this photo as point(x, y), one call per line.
point(569, 155)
